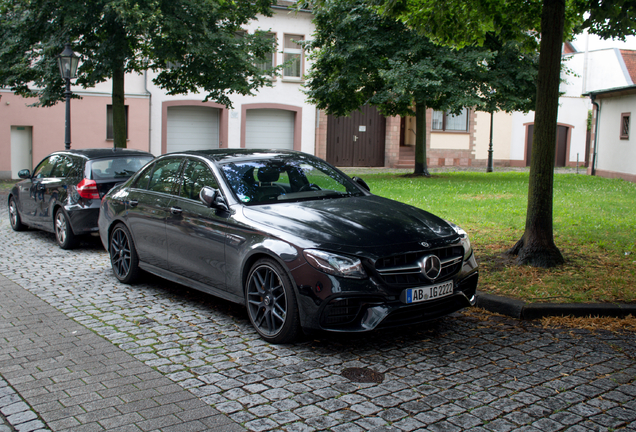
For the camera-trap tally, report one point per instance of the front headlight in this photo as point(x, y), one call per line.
point(337, 265)
point(464, 240)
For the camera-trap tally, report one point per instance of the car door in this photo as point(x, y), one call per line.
point(54, 189)
point(46, 186)
point(31, 192)
point(196, 233)
point(149, 203)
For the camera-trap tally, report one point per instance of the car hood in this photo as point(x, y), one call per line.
point(352, 223)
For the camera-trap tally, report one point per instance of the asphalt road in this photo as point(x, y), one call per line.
point(80, 351)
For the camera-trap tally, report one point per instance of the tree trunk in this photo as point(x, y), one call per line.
point(536, 247)
point(420, 140)
point(119, 110)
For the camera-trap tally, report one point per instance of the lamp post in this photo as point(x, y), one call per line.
point(68, 61)
point(489, 167)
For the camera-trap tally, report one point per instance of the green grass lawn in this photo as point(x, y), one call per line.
point(594, 227)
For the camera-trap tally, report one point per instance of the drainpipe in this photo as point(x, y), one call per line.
point(598, 115)
point(149, 111)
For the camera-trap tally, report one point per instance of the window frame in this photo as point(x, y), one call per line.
point(273, 59)
point(109, 122)
point(445, 114)
point(625, 125)
point(293, 51)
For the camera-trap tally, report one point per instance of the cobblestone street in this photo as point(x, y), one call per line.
point(469, 371)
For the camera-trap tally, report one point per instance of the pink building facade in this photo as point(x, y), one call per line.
point(28, 134)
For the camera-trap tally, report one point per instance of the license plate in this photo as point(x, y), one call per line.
point(415, 295)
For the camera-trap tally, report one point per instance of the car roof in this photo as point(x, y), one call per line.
point(236, 155)
point(98, 153)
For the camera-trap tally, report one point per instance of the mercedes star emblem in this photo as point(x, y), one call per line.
point(431, 267)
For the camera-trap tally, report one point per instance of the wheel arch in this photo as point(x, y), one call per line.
point(59, 206)
point(111, 228)
point(253, 258)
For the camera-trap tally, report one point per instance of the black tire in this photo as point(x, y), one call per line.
point(64, 235)
point(271, 302)
point(123, 255)
point(14, 216)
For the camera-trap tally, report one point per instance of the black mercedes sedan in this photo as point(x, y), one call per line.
point(63, 194)
point(299, 243)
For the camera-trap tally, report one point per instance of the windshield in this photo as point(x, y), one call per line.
point(286, 178)
point(119, 167)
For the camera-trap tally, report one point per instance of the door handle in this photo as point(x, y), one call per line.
point(176, 210)
point(133, 203)
point(355, 138)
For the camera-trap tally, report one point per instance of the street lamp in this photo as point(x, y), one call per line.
point(67, 61)
point(489, 167)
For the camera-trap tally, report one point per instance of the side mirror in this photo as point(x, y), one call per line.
point(361, 183)
point(213, 198)
point(24, 174)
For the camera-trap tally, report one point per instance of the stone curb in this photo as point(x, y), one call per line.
point(528, 311)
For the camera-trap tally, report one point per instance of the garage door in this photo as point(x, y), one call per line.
point(269, 129)
point(192, 128)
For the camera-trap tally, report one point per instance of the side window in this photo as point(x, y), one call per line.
point(142, 181)
point(196, 175)
point(165, 176)
point(266, 64)
point(293, 56)
point(625, 117)
point(443, 121)
point(45, 168)
point(63, 167)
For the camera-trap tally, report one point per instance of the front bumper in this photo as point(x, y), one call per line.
point(348, 305)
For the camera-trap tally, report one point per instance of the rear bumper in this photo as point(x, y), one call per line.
point(83, 220)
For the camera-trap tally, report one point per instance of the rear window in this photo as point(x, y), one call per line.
point(116, 168)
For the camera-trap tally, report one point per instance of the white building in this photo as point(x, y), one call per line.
point(276, 117)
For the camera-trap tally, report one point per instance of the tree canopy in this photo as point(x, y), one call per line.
point(362, 57)
point(547, 22)
point(193, 45)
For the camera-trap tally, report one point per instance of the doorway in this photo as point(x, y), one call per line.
point(357, 140)
point(21, 149)
point(562, 139)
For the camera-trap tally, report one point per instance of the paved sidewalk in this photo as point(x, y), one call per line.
point(76, 380)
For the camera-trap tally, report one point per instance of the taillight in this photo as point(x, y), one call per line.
point(88, 189)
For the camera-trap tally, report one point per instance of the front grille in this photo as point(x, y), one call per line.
point(404, 270)
point(341, 311)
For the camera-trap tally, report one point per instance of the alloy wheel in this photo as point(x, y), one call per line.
point(61, 228)
point(14, 216)
point(267, 300)
point(120, 255)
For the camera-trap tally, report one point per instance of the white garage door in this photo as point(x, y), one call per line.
point(192, 128)
point(269, 129)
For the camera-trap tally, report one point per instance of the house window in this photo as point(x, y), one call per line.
point(267, 64)
point(109, 122)
point(625, 125)
point(292, 56)
point(443, 121)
